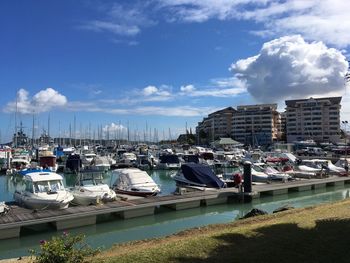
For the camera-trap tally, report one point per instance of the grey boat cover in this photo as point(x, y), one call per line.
point(202, 174)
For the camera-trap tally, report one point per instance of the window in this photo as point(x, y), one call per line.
point(41, 187)
point(29, 186)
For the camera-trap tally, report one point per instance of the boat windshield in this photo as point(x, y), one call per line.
point(46, 186)
point(91, 179)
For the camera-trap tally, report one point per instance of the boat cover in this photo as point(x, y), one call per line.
point(202, 174)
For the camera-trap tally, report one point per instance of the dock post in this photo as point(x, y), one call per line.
point(247, 183)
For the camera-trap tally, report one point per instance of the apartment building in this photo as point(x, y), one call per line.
point(313, 118)
point(217, 125)
point(257, 124)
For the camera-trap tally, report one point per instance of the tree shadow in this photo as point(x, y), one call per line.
point(328, 241)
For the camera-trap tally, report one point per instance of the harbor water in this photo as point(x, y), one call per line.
point(166, 222)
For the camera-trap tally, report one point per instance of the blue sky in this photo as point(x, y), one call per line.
point(164, 63)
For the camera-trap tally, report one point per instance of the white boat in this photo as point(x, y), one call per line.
point(87, 158)
point(100, 163)
point(258, 174)
point(134, 181)
point(43, 190)
point(169, 161)
point(90, 190)
point(128, 158)
point(275, 175)
point(4, 209)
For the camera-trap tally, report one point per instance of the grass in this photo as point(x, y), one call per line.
point(316, 234)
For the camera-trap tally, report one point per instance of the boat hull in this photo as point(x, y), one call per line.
point(136, 193)
point(41, 204)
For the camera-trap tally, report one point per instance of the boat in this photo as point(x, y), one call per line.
point(43, 190)
point(87, 158)
point(4, 209)
point(258, 174)
point(190, 158)
point(73, 163)
point(90, 189)
point(197, 175)
point(128, 158)
point(144, 162)
point(48, 160)
point(169, 161)
point(133, 181)
point(275, 175)
point(100, 163)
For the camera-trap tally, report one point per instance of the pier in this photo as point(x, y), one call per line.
point(18, 218)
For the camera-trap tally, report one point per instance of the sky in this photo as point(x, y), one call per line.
point(163, 65)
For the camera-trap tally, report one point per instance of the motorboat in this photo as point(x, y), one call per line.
point(100, 163)
point(275, 175)
point(144, 162)
point(128, 158)
point(190, 158)
point(17, 164)
point(133, 181)
point(87, 158)
point(206, 158)
point(73, 163)
point(48, 160)
point(43, 190)
point(4, 209)
point(90, 189)
point(197, 175)
point(169, 161)
point(258, 174)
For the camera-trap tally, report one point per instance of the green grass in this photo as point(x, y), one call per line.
point(317, 234)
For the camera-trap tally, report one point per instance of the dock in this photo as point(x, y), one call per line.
point(18, 218)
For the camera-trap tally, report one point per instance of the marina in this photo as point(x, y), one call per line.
point(18, 218)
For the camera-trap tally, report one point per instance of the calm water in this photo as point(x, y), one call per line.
point(164, 222)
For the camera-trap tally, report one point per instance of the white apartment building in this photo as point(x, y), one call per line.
point(256, 124)
point(313, 118)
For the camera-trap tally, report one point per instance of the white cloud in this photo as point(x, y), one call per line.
point(113, 127)
point(150, 90)
point(152, 93)
point(100, 26)
point(177, 111)
point(120, 20)
point(326, 20)
point(43, 101)
point(220, 87)
point(187, 88)
point(290, 67)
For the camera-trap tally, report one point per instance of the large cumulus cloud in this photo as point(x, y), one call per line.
point(289, 67)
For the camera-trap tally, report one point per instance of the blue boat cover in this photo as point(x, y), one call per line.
point(28, 171)
point(202, 174)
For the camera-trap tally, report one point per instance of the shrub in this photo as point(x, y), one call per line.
point(63, 249)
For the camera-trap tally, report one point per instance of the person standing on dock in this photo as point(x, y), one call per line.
point(237, 178)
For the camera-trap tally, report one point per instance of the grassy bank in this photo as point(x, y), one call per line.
point(316, 234)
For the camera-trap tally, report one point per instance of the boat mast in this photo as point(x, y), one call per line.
point(15, 142)
point(33, 123)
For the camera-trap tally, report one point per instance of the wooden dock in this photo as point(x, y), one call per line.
point(76, 216)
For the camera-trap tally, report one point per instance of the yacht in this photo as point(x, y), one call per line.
point(134, 181)
point(169, 161)
point(43, 190)
point(90, 189)
point(100, 163)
